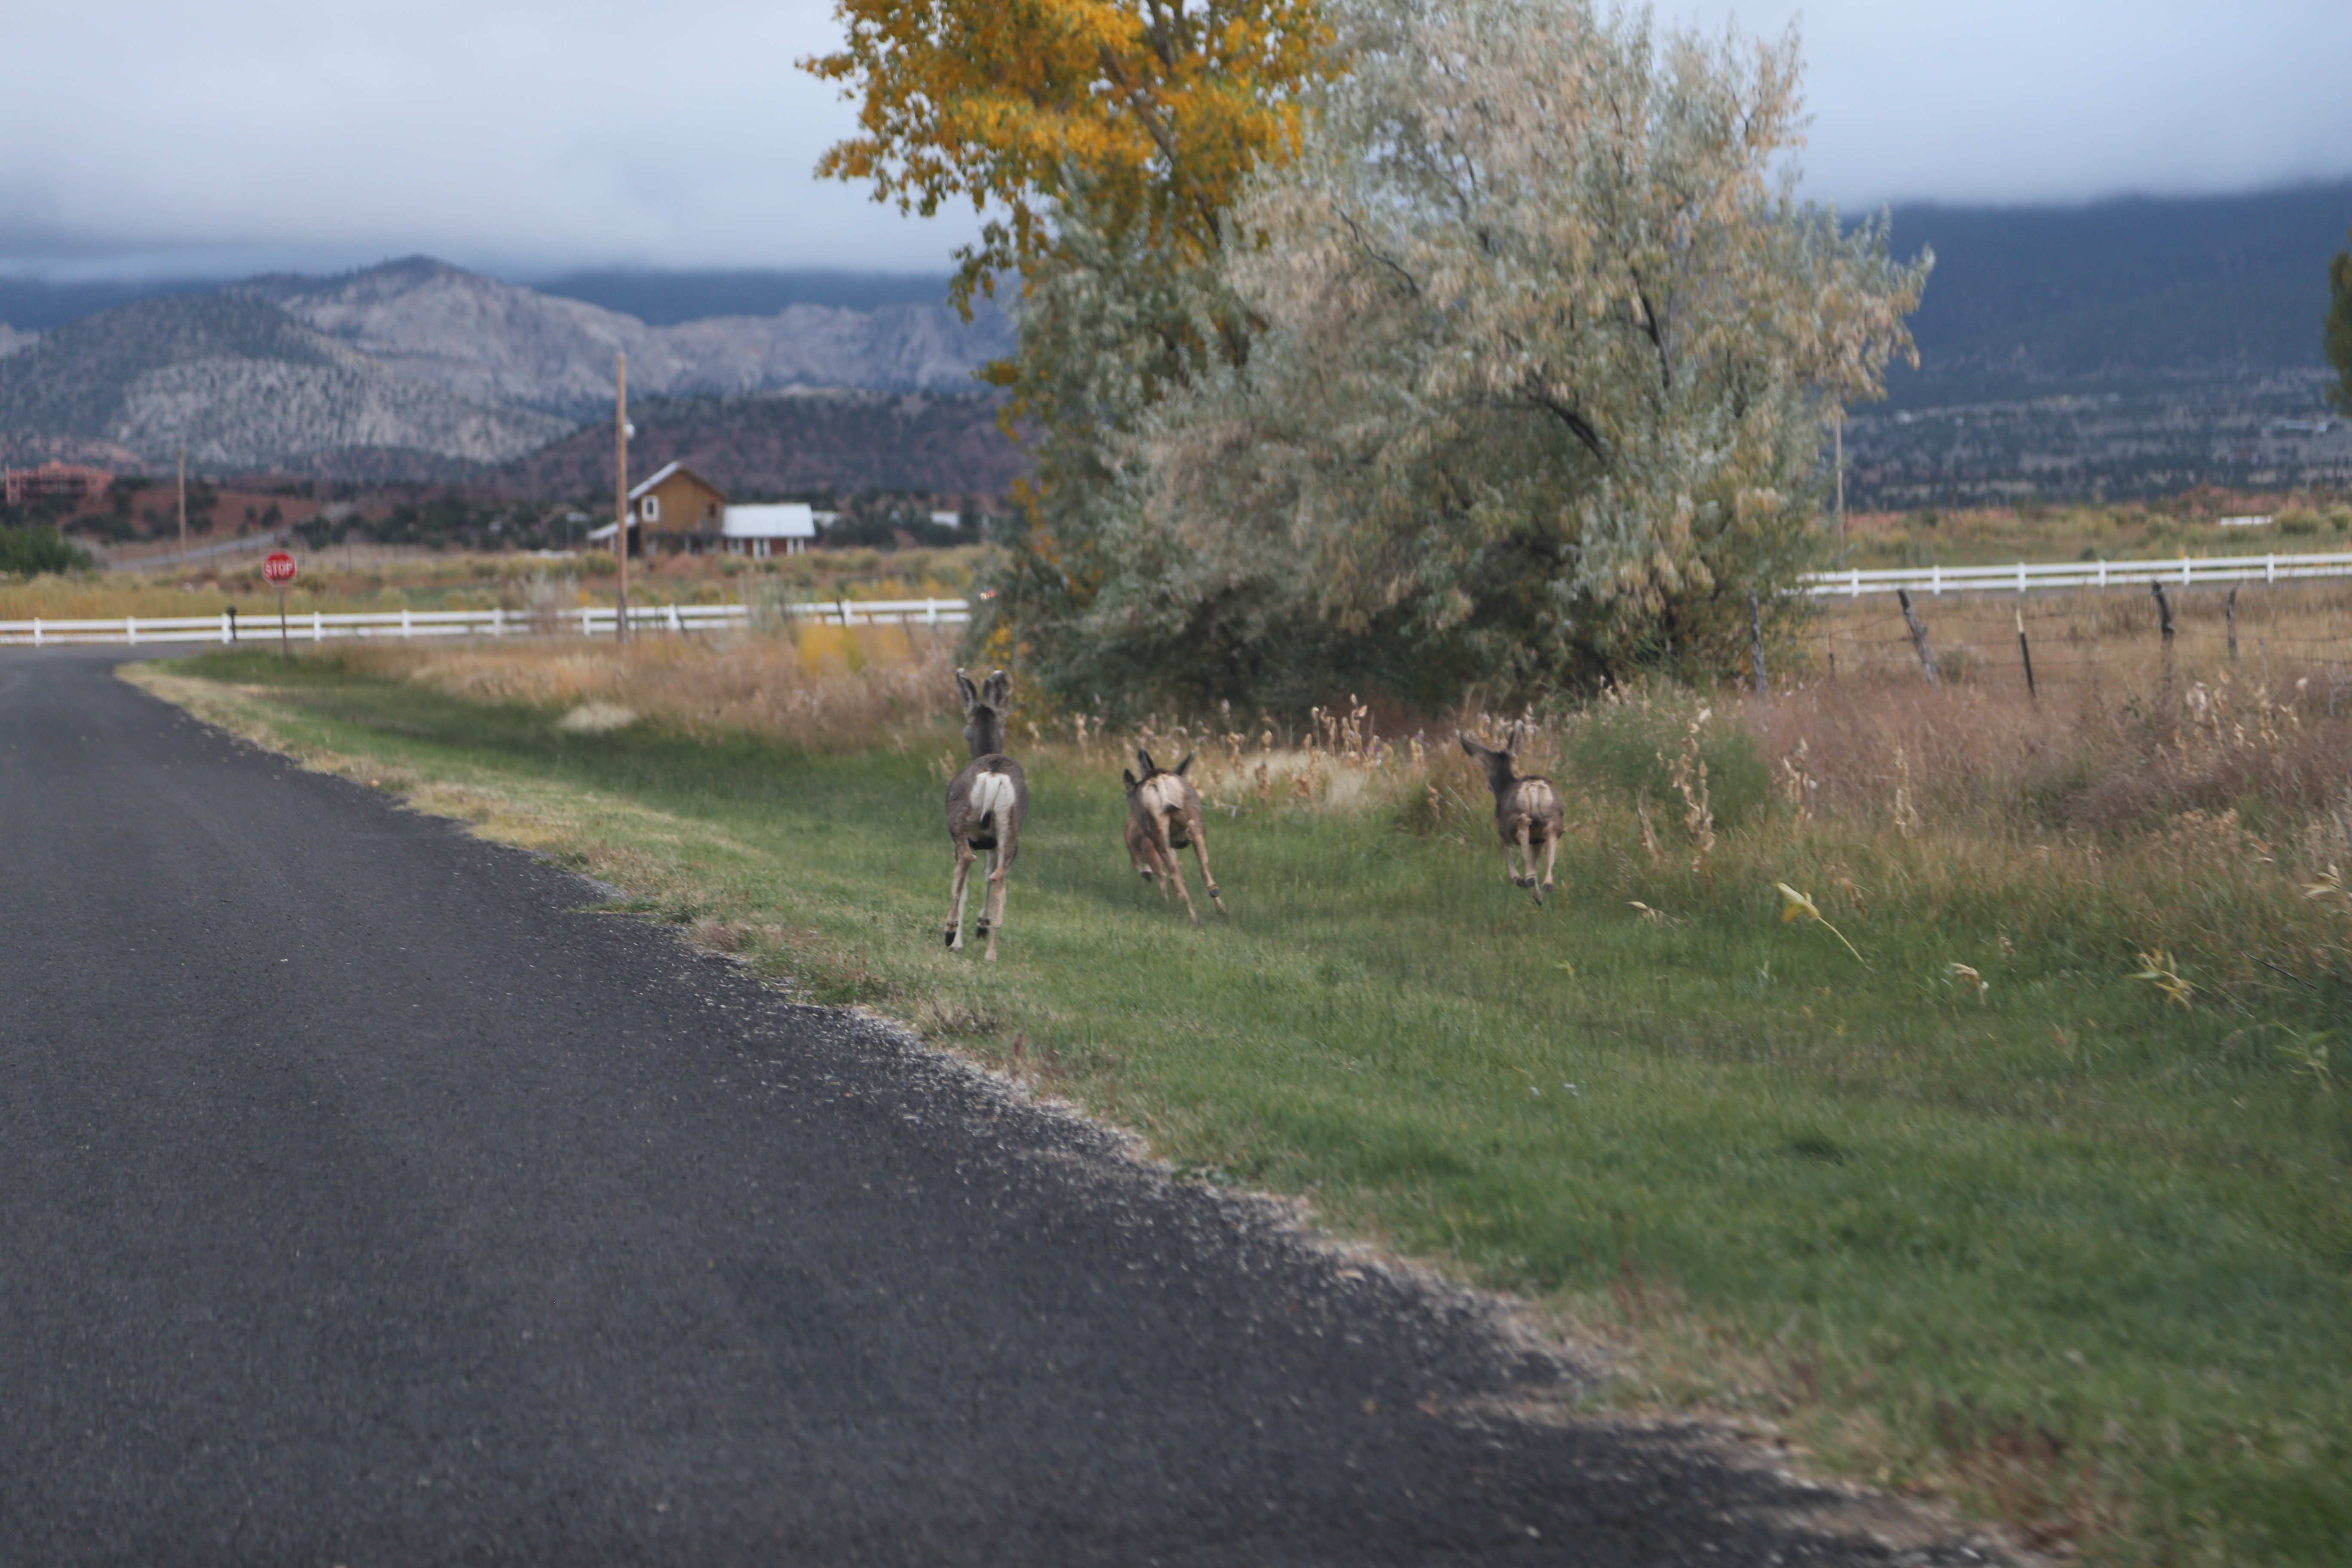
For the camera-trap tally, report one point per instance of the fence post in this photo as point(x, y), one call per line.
point(584, 620)
point(131, 629)
point(498, 620)
point(844, 612)
point(2026, 652)
point(403, 622)
point(1756, 638)
point(2164, 613)
point(2230, 609)
point(37, 631)
point(318, 626)
point(2020, 577)
point(1918, 634)
point(1855, 592)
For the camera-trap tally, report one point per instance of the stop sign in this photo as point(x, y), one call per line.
point(279, 567)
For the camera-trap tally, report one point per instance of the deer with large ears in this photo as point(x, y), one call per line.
point(1163, 815)
point(986, 804)
point(1528, 812)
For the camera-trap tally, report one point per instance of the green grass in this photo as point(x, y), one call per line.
point(2075, 1256)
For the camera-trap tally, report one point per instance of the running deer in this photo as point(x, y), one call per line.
point(1527, 810)
point(986, 803)
point(1163, 815)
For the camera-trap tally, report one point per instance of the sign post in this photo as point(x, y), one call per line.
point(280, 569)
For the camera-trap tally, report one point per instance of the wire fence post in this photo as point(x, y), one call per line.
point(1918, 634)
point(1756, 638)
point(2025, 652)
point(2230, 611)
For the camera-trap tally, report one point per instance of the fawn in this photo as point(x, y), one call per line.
point(1163, 815)
point(1528, 811)
point(986, 804)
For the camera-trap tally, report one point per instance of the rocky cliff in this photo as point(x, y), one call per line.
point(501, 342)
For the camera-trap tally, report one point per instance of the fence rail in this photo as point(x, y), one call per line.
point(2023, 577)
point(318, 626)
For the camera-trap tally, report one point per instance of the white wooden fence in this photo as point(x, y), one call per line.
point(317, 625)
point(314, 626)
point(2025, 577)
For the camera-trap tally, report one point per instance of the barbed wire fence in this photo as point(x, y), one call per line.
point(2284, 637)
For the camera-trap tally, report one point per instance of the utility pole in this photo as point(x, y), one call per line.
point(621, 490)
point(183, 508)
point(1837, 438)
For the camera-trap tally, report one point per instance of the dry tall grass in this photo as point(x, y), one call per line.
point(825, 688)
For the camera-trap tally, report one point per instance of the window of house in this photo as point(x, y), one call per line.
point(651, 509)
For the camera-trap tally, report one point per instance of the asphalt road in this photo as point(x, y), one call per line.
point(363, 1201)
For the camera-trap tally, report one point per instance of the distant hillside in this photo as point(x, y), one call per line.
point(497, 342)
point(2125, 348)
point(790, 443)
point(36, 305)
point(665, 299)
point(242, 385)
point(2030, 301)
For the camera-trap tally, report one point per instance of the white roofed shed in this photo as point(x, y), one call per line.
point(787, 529)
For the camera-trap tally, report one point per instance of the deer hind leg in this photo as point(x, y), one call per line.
point(1208, 878)
point(1551, 853)
point(955, 897)
point(1167, 853)
point(992, 917)
point(1528, 858)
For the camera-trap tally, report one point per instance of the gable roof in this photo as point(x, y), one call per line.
point(669, 471)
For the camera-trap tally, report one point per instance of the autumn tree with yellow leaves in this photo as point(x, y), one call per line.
point(1160, 110)
point(1106, 141)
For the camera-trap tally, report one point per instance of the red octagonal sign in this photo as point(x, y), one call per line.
point(279, 567)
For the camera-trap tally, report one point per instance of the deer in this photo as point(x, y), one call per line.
point(1528, 812)
point(1163, 815)
point(986, 804)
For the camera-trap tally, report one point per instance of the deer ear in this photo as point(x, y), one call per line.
point(1128, 775)
point(965, 690)
point(999, 690)
point(1469, 746)
point(1149, 767)
point(1519, 737)
point(1183, 765)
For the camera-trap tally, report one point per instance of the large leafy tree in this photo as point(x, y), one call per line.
point(1107, 140)
point(1546, 344)
point(2339, 329)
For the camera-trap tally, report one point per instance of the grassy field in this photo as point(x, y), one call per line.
point(373, 578)
point(2034, 1200)
point(2180, 525)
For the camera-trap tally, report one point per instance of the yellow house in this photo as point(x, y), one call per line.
point(677, 508)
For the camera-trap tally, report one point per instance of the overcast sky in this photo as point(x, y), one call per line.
point(527, 137)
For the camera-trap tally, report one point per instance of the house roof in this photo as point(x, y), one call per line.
point(792, 520)
point(670, 470)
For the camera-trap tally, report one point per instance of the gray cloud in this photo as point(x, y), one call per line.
point(141, 137)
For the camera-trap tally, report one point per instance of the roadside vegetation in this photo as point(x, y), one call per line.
point(2000, 1155)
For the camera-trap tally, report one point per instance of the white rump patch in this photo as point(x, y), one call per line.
point(992, 800)
point(596, 719)
point(1537, 797)
point(1160, 795)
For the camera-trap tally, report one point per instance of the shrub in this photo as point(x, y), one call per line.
point(1629, 745)
point(29, 552)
